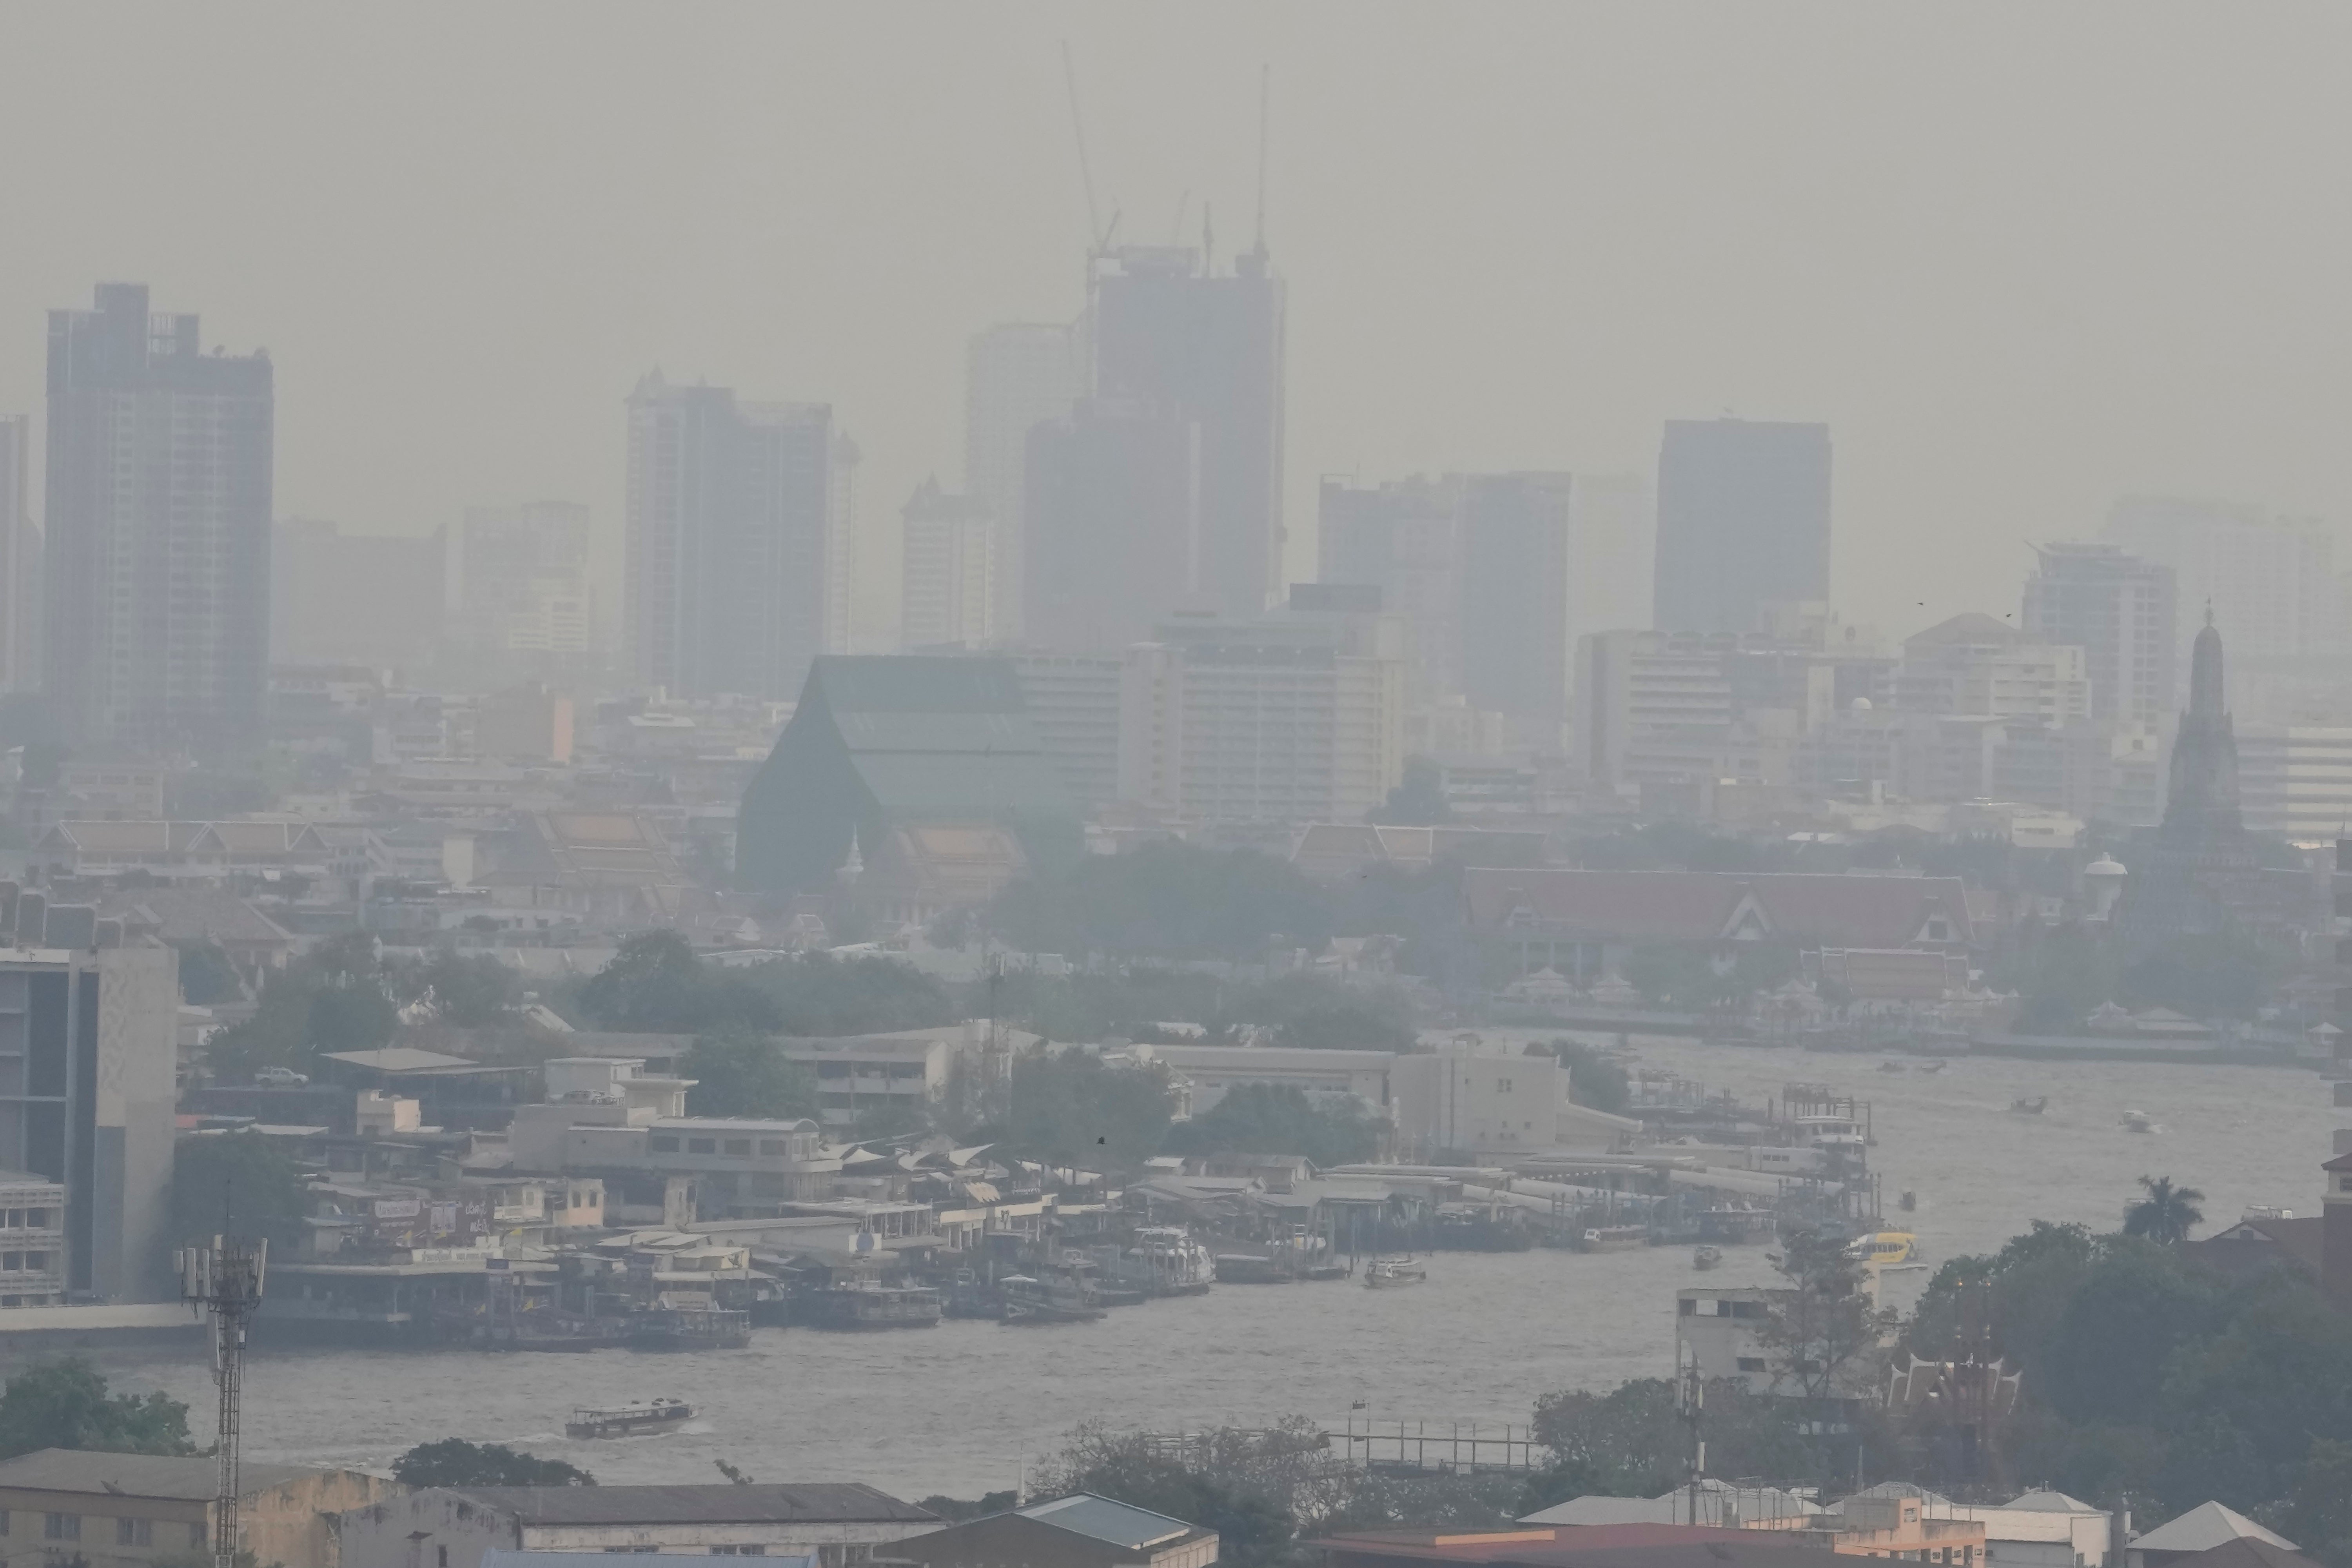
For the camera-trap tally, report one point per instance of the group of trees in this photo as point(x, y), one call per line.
point(66, 1404)
point(344, 996)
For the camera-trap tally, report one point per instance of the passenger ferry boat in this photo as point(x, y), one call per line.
point(1616, 1237)
point(630, 1420)
point(1386, 1273)
point(1885, 1247)
point(872, 1305)
point(1030, 1300)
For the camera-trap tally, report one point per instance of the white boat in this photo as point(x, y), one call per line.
point(630, 1420)
point(2138, 1122)
point(1386, 1273)
point(1885, 1247)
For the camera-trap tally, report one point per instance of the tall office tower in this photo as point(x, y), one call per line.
point(354, 597)
point(946, 592)
point(158, 529)
point(841, 546)
point(1114, 525)
point(1017, 376)
point(20, 663)
point(1181, 339)
point(1516, 655)
point(1405, 537)
point(1613, 554)
point(2120, 611)
point(2271, 580)
point(522, 580)
point(732, 508)
point(1743, 522)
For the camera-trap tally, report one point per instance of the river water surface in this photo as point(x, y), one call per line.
point(960, 1407)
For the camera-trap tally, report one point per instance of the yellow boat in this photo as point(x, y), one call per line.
point(1885, 1247)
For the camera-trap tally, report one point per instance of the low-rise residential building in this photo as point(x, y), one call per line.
point(911, 1068)
point(839, 1524)
point(741, 1168)
point(114, 1511)
point(32, 1241)
point(1078, 1532)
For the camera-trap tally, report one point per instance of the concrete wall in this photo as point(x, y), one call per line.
point(138, 1023)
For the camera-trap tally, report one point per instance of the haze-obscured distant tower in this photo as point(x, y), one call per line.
point(522, 580)
point(1017, 376)
point(2119, 610)
point(158, 529)
point(1114, 526)
point(1743, 522)
point(20, 663)
point(1517, 657)
point(946, 593)
point(732, 512)
point(1174, 337)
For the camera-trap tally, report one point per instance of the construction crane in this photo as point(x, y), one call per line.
point(224, 1280)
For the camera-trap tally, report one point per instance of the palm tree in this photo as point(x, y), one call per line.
point(2166, 1213)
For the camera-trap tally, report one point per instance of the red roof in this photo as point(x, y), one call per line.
point(1713, 906)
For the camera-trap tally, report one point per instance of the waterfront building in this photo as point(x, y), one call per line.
point(837, 1524)
point(929, 761)
point(947, 571)
point(732, 572)
point(20, 554)
point(135, 1508)
point(337, 598)
point(158, 529)
point(95, 1030)
point(522, 580)
point(1017, 376)
point(1743, 522)
point(1173, 336)
point(1290, 720)
point(2121, 611)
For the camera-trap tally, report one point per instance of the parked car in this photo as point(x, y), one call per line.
point(280, 1077)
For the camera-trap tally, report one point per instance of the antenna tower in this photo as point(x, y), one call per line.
point(225, 1279)
point(1692, 1405)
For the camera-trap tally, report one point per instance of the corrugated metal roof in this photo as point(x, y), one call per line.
point(187, 1479)
point(1121, 1524)
point(501, 1557)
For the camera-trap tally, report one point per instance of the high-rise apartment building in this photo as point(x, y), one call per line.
point(522, 580)
point(1295, 719)
point(1114, 527)
point(2121, 611)
point(1976, 667)
point(733, 513)
point(1743, 522)
point(1516, 567)
point(20, 659)
point(1179, 339)
point(157, 544)
point(1017, 376)
point(2271, 580)
point(337, 598)
point(947, 591)
point(1405, 537)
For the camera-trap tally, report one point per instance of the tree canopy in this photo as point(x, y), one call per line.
point(738, 1073)
point(2167, 1215)
point(453, 1462)
point(237, 1184)
point(1280, 1119)
point(656, 984)
point(1167, 900)
point(1066, 1109)
point(64, 1403)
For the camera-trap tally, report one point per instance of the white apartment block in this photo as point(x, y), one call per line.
point(2297, 781)
point(1269, 722)
point(947, 571)
point(2269, 581)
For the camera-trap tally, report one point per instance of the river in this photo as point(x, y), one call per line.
point(960, 1409)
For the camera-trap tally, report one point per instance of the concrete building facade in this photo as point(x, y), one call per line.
point(732, 525)
point(838, 1524)
point(1743, 522)
point(158, 537)
point(2122, 612)
point(947, 582)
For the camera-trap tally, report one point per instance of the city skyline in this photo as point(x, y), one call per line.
point(1641, 328)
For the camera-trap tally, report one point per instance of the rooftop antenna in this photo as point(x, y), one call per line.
point(1265, 89)
point(1096, 235)
point(225, 1279)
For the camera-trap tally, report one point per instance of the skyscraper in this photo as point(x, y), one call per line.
point(947, 594)
point(1181, 339)
point(2271, 580)
point(1743, 522)
point(731, 514)
point(20, 661)
point(1017, 376)
point(1114, 525)
point(1405, 537)
point(1517, 657)
point(158, 529)
point(2120, 611)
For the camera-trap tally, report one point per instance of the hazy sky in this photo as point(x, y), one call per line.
point(2021, 257)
